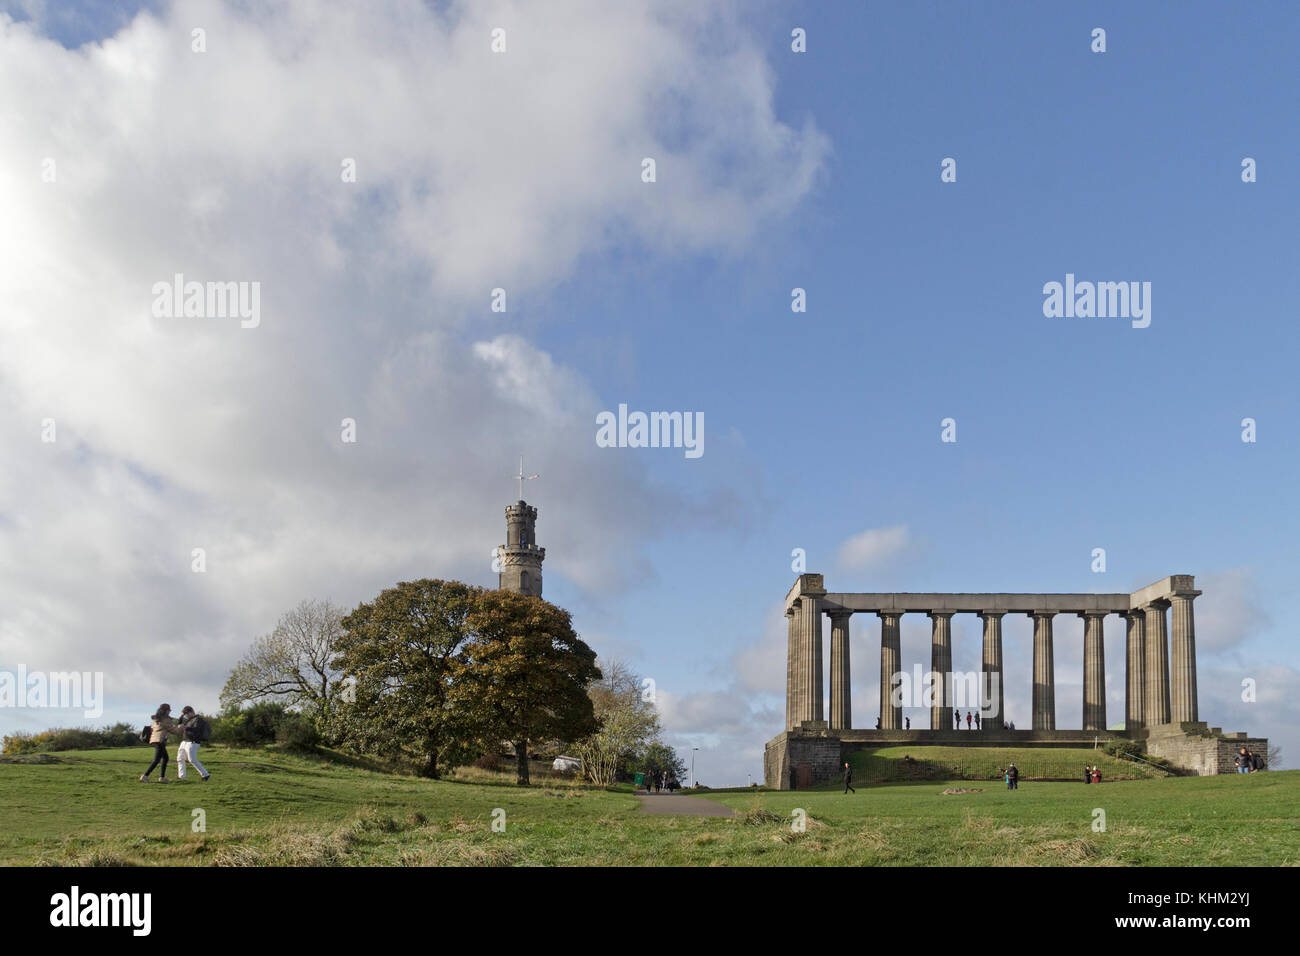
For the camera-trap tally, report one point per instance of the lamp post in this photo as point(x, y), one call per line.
point(693, 749)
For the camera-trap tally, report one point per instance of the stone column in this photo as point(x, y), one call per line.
point(1155, 698)
point(1182, 658)
point(810, 620)
point(1136, 669)
point(800, 667)
point(941, 668)
point(993, 713)
point(841, 716)
point(891, 717)
point(791, 666)
point(1044, 700)
point(1094, 671)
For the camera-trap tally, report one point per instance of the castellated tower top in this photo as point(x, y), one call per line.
point(520, 557)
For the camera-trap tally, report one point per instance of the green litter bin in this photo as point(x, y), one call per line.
point(639, 779)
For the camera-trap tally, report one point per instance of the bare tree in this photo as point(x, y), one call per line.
point(292, 664)
point(1273, 758)
point(628, 723)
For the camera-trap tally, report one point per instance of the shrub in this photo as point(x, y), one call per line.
point(297, 732)
point(70, 738)
point(264, 723)
point(489, 761)
point(1123, 748)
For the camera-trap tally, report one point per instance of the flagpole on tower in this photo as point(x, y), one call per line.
point(522, 477)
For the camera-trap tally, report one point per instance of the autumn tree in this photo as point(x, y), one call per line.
point(292, 664)
point(524, 673)
point(404, 649)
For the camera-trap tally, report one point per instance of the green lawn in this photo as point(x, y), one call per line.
point(886, 764)
point(272, 808)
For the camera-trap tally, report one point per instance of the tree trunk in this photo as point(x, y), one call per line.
point(521, 762)
point(431, 770)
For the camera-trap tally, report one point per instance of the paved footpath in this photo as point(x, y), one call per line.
point(677, 805)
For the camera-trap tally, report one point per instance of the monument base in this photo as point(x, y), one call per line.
point(813, 754)
point(1198, 749)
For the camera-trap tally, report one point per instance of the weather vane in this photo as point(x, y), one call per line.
point(522, 477)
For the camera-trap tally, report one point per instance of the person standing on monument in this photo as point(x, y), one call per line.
point(968, 720)
point(956, 719)
point(908, 722)
point(977, 720)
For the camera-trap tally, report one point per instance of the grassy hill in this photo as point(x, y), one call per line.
point(265, 807)
point(887, 764)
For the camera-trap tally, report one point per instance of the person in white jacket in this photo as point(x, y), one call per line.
point(188, 749)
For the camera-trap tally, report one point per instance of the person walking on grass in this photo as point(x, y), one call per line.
point(162, 725)
point(194, 731)
point(1013, 777)
point(1087, 774)
point(848, 778)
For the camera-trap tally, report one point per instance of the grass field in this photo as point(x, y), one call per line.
point(986, 763)
point(264, 807)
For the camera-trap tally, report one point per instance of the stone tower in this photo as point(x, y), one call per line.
point(520, 557)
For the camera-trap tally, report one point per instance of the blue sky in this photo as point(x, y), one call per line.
point(924, 302)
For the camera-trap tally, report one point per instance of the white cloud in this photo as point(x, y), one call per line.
point(873, 547)
point(475, 171)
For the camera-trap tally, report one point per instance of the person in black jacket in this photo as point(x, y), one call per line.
point(1242, 760)
point(1013, 777)
point(848, 779)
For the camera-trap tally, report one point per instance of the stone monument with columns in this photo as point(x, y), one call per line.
point(1160, 700)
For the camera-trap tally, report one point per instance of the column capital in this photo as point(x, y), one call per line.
point(944, 614)
point(1186, 594)
point(1047, 614)
point(1159, 604)
point(836, 613)
point(886, 615)
point(789, 612)
point(988, 614)
point(1087, 614)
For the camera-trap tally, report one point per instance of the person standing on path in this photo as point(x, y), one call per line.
point(848, 778)
point(1013, 777)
